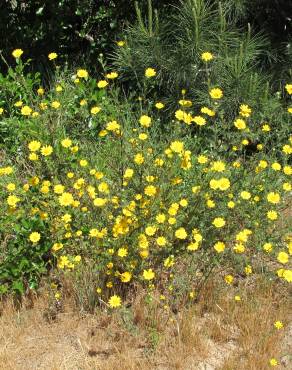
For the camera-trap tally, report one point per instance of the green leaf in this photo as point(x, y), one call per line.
point(18, 286)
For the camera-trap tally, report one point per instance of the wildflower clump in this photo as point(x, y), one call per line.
point(99, 182)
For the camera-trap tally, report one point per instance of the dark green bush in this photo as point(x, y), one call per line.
point(174, 44)
point(75, 29)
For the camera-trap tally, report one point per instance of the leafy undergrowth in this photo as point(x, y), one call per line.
point(216, 331)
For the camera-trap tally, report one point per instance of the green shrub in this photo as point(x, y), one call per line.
point(174, 44)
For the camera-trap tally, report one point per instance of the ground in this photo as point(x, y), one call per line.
point(216, 332)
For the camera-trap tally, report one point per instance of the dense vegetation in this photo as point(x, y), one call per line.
point(157, 166)
point(75, 28)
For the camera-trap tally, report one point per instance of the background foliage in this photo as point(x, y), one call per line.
point(75, 29)
point(85, 28)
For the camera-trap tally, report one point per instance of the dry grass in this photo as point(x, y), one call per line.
point(214, 333)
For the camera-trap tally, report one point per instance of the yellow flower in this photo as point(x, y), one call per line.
point(121, 43)
point(150, 72)
point(287, 275)
point(47, 150)
point(266, 128)
point(101, 84)
point(57, 246)
point(83, 163)
point(287, 186)
point(181, 233)
point(66, 218)
point(145, 121)
point(202, 159)
point(12, 201)
point(208, 111)
point(245, 110)
point(185, 103)
point(183, 203)
point(161, 241)
point(276, 166)
point(160, 218)
point(199, 120)
point(240, 124)
point(207, 56)
point(239, 248)
point(56, 104)
point(113, 126)
point(1, 111)
point(83, 102)
point(18, 104)
point(268, 247)
point(272, 215)
point(287, 149)
point(115, 301)
point(263, 164)
point(99, 202)
point(219, 222)
point(66, 143)
point(34, 146)
point(150, 190)
point(26, 110)
point(273, 198)
point(33, 157)
point(218, 166)
point(44, 189)
point(148, 274)
point(59, 189)
point(143, 136)
point(177, 146)
point(17, 53)
point(273, 362)
point(169, 261)
point(260, 146)
point(193, 246)
point(219, 247)
point(287, 170)
point(283, 257)
point(216, 93)
point(150, 230)
point(278, 325)
point(34, 237)
point(125, 277)
point(43, 106)
point(82, 73)
point(66, 199)
point(159, 105)
point(228, 279)
point(139, 159)
point(112, 75)
point(245, 195)
point(128, 173)
point(122, 252)
point(52, 56)
point(11, 187)
point(288, 88)
point(248, 269)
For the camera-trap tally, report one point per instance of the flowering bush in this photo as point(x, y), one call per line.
point(143, 201)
